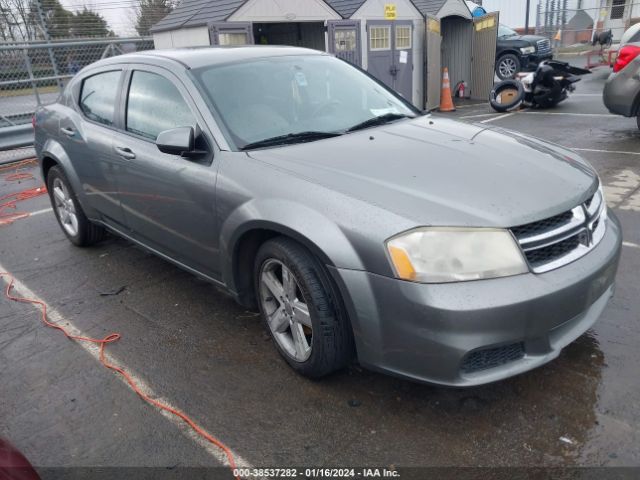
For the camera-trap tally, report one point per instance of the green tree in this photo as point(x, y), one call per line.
point(87, 23)
point(150, 12)
point(56, 18)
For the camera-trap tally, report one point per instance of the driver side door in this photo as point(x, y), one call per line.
point(168, 200)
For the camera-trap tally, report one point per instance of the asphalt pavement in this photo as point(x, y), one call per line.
point(194, 347)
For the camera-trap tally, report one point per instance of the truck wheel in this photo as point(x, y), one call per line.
point(506, 95)
point(507, 67)
point(302, 309)
point(75, 224)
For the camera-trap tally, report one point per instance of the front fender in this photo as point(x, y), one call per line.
point(310, 227)
point(54, 150)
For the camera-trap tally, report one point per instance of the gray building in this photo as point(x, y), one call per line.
point(388, 39)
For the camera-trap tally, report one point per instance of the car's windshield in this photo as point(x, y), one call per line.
point(290, 95)
point(504, 31)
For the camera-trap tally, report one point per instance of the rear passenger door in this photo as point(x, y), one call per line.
point(169, 201)
point(86, 135)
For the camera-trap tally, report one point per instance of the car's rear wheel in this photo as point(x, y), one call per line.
point(507, 67)
point(302, 309)
point(75, 224)
point(638, 119)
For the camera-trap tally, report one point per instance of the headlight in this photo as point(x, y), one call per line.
point(528, 50)
point(442, 255)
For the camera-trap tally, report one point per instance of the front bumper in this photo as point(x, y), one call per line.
point(530, 62)
point(442, 333)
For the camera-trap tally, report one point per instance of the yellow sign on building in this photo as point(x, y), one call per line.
point(390, 11)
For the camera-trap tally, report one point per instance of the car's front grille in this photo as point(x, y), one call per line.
point(544, 46)
point(542, 226)
point(492, 357)
point(555, 241)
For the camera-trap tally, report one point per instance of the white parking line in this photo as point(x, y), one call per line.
point(481, 115)
point(40, 212)
point(488, 120)
point(94, 350)
point(571, 114)
point(631, 245)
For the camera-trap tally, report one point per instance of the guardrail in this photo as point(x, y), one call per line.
point(17, 136)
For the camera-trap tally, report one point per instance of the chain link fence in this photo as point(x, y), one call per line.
point(574, 23)
point(34, 73)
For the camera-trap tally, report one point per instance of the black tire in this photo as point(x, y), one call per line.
point(638, 119)
point(507, 63)
point(499, 89)
point(88, 233)
point(332, 346)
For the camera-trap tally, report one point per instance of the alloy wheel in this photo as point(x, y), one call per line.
point(507, 68)
point(65, 208)
point(286, 311)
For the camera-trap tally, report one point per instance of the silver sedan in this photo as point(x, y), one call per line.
point(361, 228)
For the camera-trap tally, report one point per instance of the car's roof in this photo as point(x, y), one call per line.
point(206, 56)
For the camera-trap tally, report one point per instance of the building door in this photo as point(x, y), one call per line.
point(433, 63)
point(485, 38)
point(344, 40)
point(390, 47)
point(231, 33)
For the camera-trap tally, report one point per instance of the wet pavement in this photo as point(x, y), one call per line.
point(196, 348)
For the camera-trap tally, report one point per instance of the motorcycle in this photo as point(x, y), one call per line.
point(546, 87)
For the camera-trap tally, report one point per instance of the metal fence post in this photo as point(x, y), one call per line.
point(27, 63)
point(47, 37)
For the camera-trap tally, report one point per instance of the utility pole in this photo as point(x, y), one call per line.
point(526, 21)
point(47, 37)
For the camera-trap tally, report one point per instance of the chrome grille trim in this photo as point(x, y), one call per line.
point(583, 228)
point(544, 46)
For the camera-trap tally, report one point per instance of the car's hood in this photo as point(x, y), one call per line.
point(442, 172)
point(530, 39)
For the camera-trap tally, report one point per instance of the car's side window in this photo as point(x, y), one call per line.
point(155, 105)
point(98, 96)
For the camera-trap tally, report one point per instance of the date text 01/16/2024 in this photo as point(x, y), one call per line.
point(316, 473)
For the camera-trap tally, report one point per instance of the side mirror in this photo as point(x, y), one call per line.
point(177, 141)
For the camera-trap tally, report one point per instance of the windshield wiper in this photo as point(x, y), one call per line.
point(381, 120)
point(290, 138)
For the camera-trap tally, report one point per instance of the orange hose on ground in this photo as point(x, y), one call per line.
point(15, 177)
point(103, 343)
point(31, 162)
point(10, 201)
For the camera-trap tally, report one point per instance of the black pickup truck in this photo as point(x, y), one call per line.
point(516, 53)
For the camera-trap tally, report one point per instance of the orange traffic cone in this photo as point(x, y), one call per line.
point(446, 100)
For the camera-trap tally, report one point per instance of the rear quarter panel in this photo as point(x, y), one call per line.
point(49, 144)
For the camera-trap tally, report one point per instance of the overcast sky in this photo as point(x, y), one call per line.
point(120, 14)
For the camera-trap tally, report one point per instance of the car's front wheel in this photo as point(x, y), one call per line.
point(507, 67)
point(302, 309)
point(75, 224)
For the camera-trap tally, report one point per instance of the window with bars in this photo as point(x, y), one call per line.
point(345, 40)
point(380, 38)
point(403, 38)
point(232, 38)
point(617, 9)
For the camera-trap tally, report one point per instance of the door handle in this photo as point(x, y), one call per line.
point(125, 152)
point(69, 132)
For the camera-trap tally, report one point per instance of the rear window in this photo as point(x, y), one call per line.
point(98, 96)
